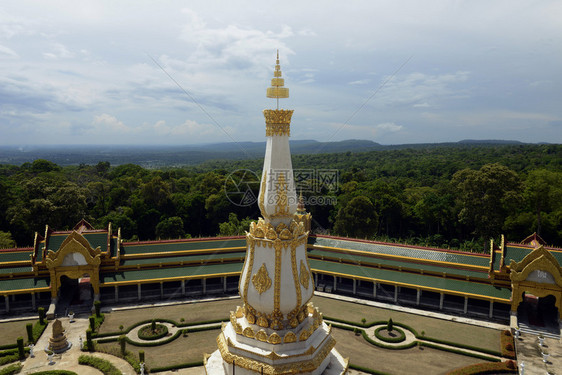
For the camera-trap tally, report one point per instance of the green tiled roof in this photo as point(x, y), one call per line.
point(517, 253)
point(55, 240)
point(15, 256)
point(404, 251)
point(184, 258)
point(163, 273)
point(19, 284)
point(158, 247)
point(398, 263)
point(415, 280)
point(8, 270)
point(95, 239)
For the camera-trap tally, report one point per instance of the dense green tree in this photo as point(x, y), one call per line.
point(234, 227)
point(543, 192)
point(171, 227)
point(486, 197)
point(6, 240)
point(357, 219)
point(412, 189)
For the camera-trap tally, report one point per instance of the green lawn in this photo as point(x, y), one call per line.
point(12, 330)
point(193, 312)
point(441, 329)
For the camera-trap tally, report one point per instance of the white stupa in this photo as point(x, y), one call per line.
point(277, 331)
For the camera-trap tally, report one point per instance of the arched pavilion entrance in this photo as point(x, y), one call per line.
point(536, 297)
point(74, 270)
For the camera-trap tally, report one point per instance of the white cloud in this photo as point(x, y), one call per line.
point(108, 124)
point(6, 52)
point(190, 130)
point(58, 51)
point(389, 127)
point(359, 82)
point(232, 46)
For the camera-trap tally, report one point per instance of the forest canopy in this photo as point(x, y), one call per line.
point(453, 197)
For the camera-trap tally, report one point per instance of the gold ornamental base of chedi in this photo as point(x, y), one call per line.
point(298, 342)
point(246, 348)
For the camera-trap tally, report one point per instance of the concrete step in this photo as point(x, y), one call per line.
point(537, 331)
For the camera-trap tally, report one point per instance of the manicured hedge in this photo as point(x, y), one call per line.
point(9, 356)
point(152, 343)
point(507, 345)
point(364, 325)
point(38, 330)
point(381, 345)
point(54, 372)
point(200, 329)
point(99, 363)
point(463, 346)
point(401, 335)
point(151, 336)
point(508, 367)
point(367, 370)
point(146, 321)
point(11, 370)
point(176, 367)
point(129, 357)
point(459, 351)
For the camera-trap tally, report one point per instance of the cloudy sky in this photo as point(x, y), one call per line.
point(185, 72)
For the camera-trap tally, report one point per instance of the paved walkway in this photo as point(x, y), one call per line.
point(69, 359)
point(529, 353)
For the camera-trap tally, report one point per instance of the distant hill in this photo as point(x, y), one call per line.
point(160, 156)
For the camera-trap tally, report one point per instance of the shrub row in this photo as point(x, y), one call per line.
point(9, 356)
point(401, 335)
point(146, 333)
point(508, 367)
point(364, 325)
point(381, 345)
point(463, 346)
point(146, 321)
point(458, 351)
point(99, 363)
point(55, 372)
point(38, 329)
point(129, 357)
point(177, 366)
point(507, 345)
point(200, 329)
point(367, 370)
point(11, 370)
point(151, 343)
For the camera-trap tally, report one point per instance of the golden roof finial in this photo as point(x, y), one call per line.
point(277, 89)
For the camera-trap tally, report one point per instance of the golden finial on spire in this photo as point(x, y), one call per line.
point(277, 89)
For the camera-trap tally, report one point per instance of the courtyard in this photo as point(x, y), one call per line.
point(432, 345)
